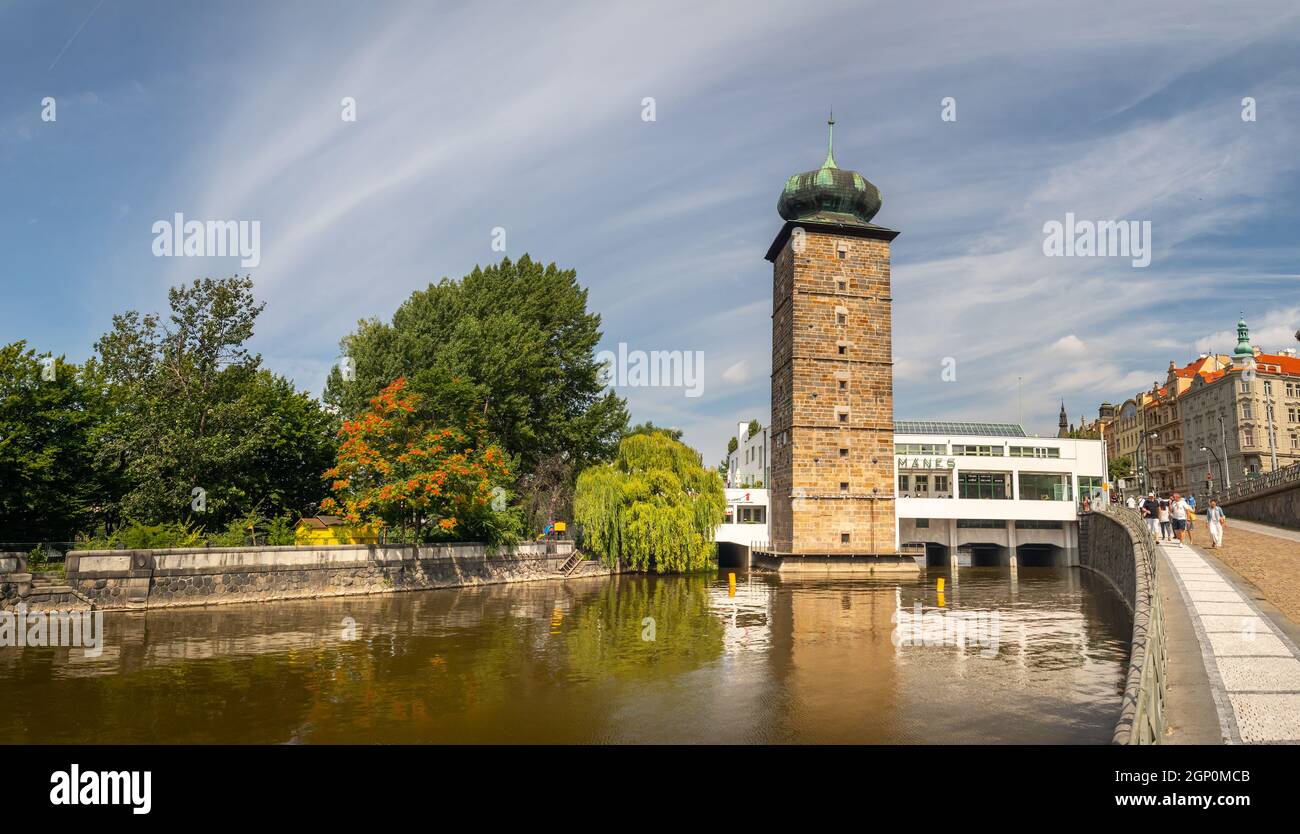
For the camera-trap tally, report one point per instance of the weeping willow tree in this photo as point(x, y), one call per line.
point(654, 508)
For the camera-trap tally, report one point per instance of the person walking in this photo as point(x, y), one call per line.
point(1150, 509)
point(1166, 525)
point(1178, 511)
point(1131, 502)
point(1191, 514)
point(1216, 521)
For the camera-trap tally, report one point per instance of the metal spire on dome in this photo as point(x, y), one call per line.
point(830, 142)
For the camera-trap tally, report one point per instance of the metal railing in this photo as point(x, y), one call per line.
point(1266, 482)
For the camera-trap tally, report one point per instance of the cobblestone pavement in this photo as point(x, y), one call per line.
point(1270, 562)
point(1254, 668)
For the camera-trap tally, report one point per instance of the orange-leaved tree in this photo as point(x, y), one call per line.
point(426, 483)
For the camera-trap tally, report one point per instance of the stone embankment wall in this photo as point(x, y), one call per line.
point(1269, 499)
point(132, 579)
point(1117, 545)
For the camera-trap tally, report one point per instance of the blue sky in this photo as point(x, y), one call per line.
point(528, 117)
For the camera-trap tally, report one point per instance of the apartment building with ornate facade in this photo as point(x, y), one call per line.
point(1243, 420)
point(1160, 448)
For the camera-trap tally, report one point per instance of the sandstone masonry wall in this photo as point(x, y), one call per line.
point(832, 396)
point(207, 576)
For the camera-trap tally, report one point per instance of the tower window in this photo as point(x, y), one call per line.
point(844, 452)
point(843, 285)
point(844, 538)
point(844, 486)
point(844, 417)
point(844, 349)
point(844, 386)
point(840, 318)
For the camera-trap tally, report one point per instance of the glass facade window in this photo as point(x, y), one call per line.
point(983, 485)
point(922, 485)
point(941, 485)
point(1089, 485)
point(903, 483)
point(920, 448)
point(1038, 525)
point(1044, 487)
point(753, 515)
point(977, 451)
point(1035, 452)
point(981, 523)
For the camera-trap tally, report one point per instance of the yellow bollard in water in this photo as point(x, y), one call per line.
point(731, 584)
point(941, 584)
point(941, 604)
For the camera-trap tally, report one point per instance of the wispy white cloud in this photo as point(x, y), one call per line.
point(528, 117)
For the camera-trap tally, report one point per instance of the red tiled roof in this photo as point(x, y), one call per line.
point(1288, 364)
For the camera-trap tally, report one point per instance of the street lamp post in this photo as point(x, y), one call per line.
point(1268, 412)
point(1210, 451)
point(1149, 437)
point(1223, 437)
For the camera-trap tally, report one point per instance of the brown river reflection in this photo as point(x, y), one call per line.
point(782, 661)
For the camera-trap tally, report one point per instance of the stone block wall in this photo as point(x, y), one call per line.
point(1281, 507)
point(832, 395)
point(1116, 544)
point(207, 576)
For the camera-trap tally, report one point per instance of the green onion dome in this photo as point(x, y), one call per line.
point(830, 194)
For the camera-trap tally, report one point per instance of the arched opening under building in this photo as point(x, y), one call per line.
point(1040, 556)
point(936, 555)
point(989, 556)
point(733, 555)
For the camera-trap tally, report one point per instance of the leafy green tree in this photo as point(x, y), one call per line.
point(649, 427)
point(754, 428)
point(654, 508)
point(48, 488)
point(1120, 467)
point(510, 344)
point(190, 407)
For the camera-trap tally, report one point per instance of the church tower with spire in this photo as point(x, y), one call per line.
point(832, 472)
point(1243, 356)
point(1063, 424)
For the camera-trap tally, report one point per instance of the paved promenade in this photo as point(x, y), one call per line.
point(1253, 667)
point(1265, 529)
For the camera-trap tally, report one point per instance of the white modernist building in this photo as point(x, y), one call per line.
point(748, 465)
point(970, 493)
point(984, 493)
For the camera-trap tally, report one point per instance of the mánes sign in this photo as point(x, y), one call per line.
point(927, 463)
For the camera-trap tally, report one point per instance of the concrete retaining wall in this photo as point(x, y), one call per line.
point(126, 579)
point(1116, 545)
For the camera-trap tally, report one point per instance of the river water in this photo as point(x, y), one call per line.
point(1034, 656)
